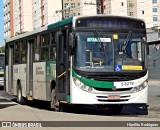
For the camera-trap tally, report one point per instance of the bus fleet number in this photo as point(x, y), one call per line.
point(127, 83)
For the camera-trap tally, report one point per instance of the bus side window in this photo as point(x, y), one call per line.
point(52, 46)
point(44, 53)
point(37, 49)
point(45, 46)
point(17, 59)
point(24, 52)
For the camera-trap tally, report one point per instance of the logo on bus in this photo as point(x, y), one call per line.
point(39, 71)
point(114, 88)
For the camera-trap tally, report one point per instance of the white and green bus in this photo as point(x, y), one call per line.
point(95, 60)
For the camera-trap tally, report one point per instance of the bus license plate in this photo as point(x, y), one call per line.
point(113, 97)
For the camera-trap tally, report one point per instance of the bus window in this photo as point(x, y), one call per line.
point(52, 38)
point(52, 52)
point(45, 39)
point(24, 52)
point(17, 58)
point(36, 49)
point(44, 53)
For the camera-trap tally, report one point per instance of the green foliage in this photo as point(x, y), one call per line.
point(2, 49)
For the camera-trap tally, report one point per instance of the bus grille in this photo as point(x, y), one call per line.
point(110, 90)
point(105, 99)
point(114, 78)
point(121, 100)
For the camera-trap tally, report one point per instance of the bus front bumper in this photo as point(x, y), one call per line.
point(79, 96)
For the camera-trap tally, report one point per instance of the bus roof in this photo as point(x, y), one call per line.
point(50, 26)
point(62, 23)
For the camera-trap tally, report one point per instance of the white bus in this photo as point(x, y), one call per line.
point(96, 60)
point(2, 65)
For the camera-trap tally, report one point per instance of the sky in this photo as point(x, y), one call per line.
point(1, 24)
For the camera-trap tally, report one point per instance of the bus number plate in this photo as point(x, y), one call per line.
point(113, 97)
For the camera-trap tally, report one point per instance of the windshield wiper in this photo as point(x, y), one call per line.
point(97, 36)
point(127, 41)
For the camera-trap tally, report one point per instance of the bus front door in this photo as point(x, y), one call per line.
point(29, 69)
point(10, 70)
point(61, 67)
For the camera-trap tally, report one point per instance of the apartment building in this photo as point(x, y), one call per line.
point(44, 12)
point(78, 7)
point(144, 9)
point(8, 18)
point(115, 7)
point(22, 16)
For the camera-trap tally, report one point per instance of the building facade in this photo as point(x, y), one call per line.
point(144, 9)
point(78, 7)
point(8, 18)
point(22, 16)
point(44, 12)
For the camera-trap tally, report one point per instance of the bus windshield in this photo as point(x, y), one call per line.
point(108, 52)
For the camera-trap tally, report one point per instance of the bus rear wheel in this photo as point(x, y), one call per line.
point(20, 98)
point(54, 103)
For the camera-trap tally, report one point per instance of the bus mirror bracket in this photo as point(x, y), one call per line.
point(71, 40)
point(147, 45)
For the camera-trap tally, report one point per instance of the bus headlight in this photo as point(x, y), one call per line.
point(140, 87)
point(77, 82)
point(82, 86)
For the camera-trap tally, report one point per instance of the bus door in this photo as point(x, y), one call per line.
point(29, 69)
point(10, 69)
point(62, 66)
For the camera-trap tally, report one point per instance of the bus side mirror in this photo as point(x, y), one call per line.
point(71, 40)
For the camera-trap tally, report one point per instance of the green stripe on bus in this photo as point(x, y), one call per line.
point(68, 98)
point(60, 23)
point(93, 83)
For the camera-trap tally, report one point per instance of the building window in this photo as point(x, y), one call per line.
point(155, 18)
point(130, 13)
point(154, 10)
point(73, 5)
point(66, 5)
point(142, 11)
point(122, 3)
point(154, 1)
point(131, 5)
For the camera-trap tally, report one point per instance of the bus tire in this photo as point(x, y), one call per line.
point(20, 98)
point(54, 103)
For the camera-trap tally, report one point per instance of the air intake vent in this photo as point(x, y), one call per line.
point(114, 78)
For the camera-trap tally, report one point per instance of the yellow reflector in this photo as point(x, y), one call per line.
point(29, 98)
point(129, 67)
point(115, 36)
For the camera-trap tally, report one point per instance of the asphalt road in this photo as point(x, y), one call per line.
point(39, 111)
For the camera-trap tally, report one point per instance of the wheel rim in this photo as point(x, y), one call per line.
point(19, 95)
